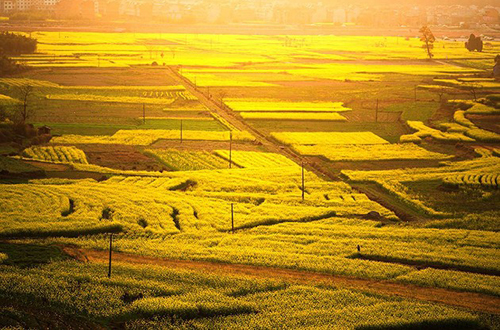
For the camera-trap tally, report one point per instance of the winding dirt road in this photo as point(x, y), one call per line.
point(472, 301)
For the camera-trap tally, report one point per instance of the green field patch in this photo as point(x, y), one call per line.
point(421, 111)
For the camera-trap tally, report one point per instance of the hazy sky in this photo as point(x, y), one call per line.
point(406, 2)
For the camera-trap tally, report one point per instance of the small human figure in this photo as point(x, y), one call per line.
point(359, 249)
point(496, 68)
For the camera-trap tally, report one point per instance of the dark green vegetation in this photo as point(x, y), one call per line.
point(421, 111)
point(460, 201)
point(15, 44)
point(17, 167)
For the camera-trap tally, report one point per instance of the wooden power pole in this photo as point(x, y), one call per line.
point(230, 148)
point(110, 253)
point(303, 183)
point(232, 218)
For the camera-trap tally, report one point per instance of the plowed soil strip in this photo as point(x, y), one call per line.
point(473, 301)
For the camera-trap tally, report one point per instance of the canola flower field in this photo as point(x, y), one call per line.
point(57, 154)
point(147, 137)
point(369, 152)
point(187, 210)
point(292, 116)
point(211, 300)
point(392, 180)
point(328, 138)
point(187, 160)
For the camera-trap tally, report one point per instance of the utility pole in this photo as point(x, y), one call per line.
point(181, 130)
point(110, 252)
point(230, 148)
point(232, 217)
point(376, 113)
point(303, 183)
point(144, 113)
point(415, 93)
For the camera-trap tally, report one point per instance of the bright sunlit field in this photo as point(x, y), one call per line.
point(250, 181)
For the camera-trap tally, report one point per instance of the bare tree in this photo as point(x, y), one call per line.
point(427, 37)
point(25, 112)
point(441, 92)
point(472, 88)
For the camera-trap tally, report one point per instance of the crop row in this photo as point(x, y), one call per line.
point(284, 106)
point(57, 154)
point(169, 95)
point(110, 99)
point(326, 116)
point(160, 204)
point(423, 131)
point(327, 138)
point(187, 160)
point(369, 152)
point(250, 159)
point(478, 179)
point(391, 180)
point(147, 137)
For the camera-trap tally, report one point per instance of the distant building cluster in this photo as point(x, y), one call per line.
point(274, 12)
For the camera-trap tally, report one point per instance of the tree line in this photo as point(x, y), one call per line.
point(16, 44)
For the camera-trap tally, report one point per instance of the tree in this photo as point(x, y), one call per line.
point(427, 37)
point(25, 112)
point(473, 87)
point(474, 43)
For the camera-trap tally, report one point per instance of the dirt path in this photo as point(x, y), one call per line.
point(472, 301)
point(312, 164)
point(228, 114)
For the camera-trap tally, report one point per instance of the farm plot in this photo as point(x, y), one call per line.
point(467, 83)
point(369, 152)
point(57, 154)
point(328, 138)
point(187, 160)
point(393, 180)
point(112, 99)
point(284, 106)
point(161, 204)
point(298, 116)
point(461, 130)
point(207, 300)
point(249, 159)
point(423, 131)
point(329, 246)
point(147, 137)
point(18, 82)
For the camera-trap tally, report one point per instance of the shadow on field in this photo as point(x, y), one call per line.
point(29, 255)
point(450, 324)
